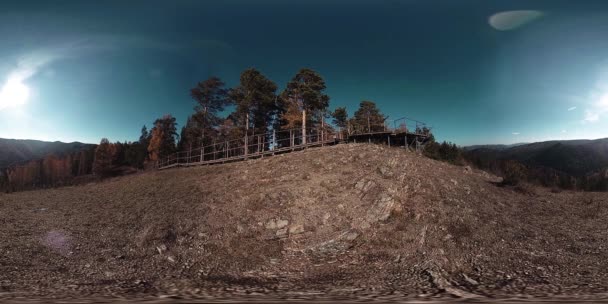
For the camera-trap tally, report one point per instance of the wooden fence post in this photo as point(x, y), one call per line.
point(246, 136)
point(303, 127)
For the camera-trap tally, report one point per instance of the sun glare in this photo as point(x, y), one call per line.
point(14, 93)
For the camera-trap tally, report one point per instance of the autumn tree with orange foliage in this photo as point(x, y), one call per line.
point(155, 143)
point(163, 139)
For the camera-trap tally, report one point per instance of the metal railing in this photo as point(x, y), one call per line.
point(412, 126)
point(400, 125)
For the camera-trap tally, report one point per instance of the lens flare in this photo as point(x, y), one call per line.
point(14, 93)
point(510, 20)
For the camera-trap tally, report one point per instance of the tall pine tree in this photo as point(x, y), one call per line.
point(211, 97)
point(255, 96)
point(340, 118)
point(368, 118)
point(306, 92)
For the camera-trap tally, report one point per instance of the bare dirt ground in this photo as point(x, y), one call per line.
point(340, 222)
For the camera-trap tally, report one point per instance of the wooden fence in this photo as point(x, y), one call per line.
point(404, 132)
point(251, 146)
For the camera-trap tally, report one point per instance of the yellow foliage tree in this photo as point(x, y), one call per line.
point(155, 144)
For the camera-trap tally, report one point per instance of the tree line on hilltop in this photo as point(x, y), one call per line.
point(257, 108)
point(255, 105)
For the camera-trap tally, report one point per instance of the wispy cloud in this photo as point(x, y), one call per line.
point(564, 131)
point(597, 109)
point(515, 133)
point(571, 108)
point(591, 116)
point(597, 103)
point(22, 67)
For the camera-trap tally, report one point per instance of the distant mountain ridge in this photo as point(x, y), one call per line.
point(578, 164)
point(495, 147)
point(16, 151)
point(574, 157)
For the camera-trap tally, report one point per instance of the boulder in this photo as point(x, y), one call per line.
point(385, 171)
point(382, 209)
point(271, 224)
point(281, 233)
point(296, 229)
point(282, 223)
point(351, 235)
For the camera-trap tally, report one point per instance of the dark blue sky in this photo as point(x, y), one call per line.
point(104, 69)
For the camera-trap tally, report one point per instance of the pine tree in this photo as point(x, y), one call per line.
point(211, 97)
point(340, 118)
point(307, 88)
point(144, 137)
point(190, 135)
point(368, 118)
point(306, 91)
point(162, 142)
point(102, 165)
point(255, 96)
point(139, 153)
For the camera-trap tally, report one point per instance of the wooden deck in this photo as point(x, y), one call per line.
point(391, 138)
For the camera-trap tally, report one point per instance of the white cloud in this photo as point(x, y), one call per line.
point(564, 131)
point(591, 116)
point(515, 133)
point(597, 100)
point(510, 20)
point(571, 108)
point(602, 103)
point(597, 109)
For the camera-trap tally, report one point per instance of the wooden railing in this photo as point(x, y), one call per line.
point(250, 146)
point(280, 141)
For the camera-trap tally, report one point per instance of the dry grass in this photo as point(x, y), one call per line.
point(372, 217)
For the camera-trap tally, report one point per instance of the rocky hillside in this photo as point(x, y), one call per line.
point(347, 220)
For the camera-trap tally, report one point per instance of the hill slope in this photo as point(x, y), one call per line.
point(348, 219)
point(14, 151)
